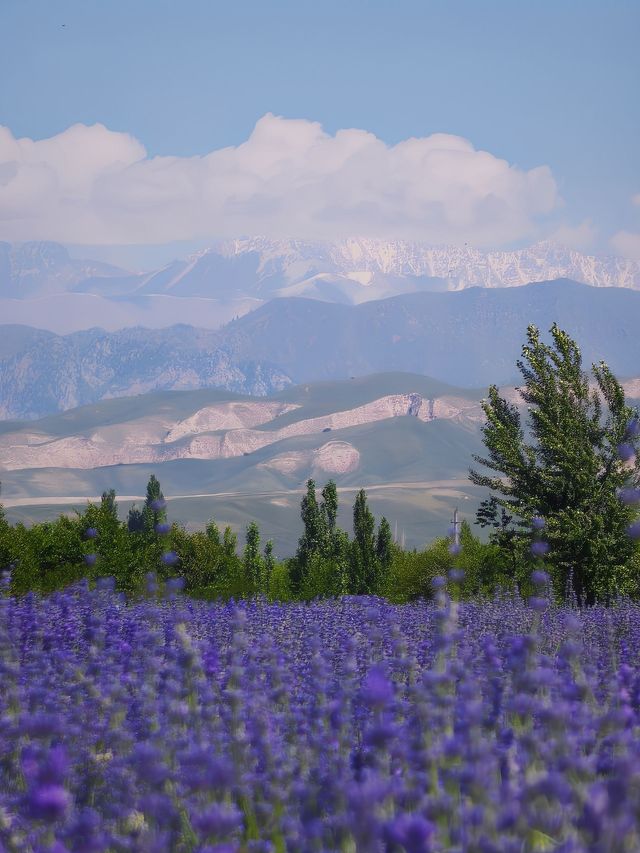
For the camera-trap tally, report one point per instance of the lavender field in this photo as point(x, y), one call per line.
point(346, 725)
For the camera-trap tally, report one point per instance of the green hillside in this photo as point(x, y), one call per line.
point(415, 472)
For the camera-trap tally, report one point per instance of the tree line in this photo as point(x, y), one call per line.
point(569, 502)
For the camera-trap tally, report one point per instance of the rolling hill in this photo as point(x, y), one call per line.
point(407, 439)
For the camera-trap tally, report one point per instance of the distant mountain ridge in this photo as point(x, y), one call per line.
point(41, 285)
point(259, 266)
point(35, 269)
point(460, 266)
point(470, 338)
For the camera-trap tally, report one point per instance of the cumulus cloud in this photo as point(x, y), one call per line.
point(579, 237)
point(627, 244)
point(91, 185)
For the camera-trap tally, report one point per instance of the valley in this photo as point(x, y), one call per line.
point(407, 439)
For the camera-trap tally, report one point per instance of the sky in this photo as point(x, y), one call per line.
point(155, 123)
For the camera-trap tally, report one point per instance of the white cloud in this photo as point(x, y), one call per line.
point(579, 237)
point(627, 244)
point(90, 185)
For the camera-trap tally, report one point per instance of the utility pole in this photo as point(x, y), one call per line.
point(455, 522)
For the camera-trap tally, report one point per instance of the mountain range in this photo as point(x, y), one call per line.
point(240, 372)
point(407, 439)
point(42, 286)
point(468, 338)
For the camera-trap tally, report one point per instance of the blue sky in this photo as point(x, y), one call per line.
point(536, 84)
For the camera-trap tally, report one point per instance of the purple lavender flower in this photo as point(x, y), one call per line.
point(629, 495)
point(438, 582)
point(91, 533)
point(412, 832)
point(632, 428)
point(163, 527)
point(174, 585)
point(634, 530)
point(537, 522)
point(306, 723)
point(169, 558)
point(626, 451)
point(85, 834)
point(377, 691)
point(48, 803)
point(41, 724)
point(158, 504)
point(540, 548)
point(147, 760)
point(455, 548)
point(90, 559)
point(539, 577)
point(218, 819)
point(456, 575)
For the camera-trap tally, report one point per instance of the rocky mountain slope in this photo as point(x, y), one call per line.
point(467, 338)
point(219, 431)
point(41, 285)
point(362, 260)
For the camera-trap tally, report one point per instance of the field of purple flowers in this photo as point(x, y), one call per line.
point(169, 724)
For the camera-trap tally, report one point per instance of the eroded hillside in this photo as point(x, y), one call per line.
point(219, 431)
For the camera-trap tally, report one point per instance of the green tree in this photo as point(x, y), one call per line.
point(108, 504)
point(213, 532)
point(485, 566)
point(384, 550)
point(57, 550)
point(313, 540)
point(135, 520)
point(232, 565)
point(329, 508)
point(572, 474)
point(384, 541)
point(506, 535)
point(154, 511)
point(252, 562)
point(364, 561)
point(112, 545)
point(6, 552)
point(268, 565)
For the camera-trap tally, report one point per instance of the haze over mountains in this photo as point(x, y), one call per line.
point(345, 360)
point(42, 286)
point(469, 338)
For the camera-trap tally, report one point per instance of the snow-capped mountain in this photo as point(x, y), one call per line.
point(362, 260)
point(42, 286)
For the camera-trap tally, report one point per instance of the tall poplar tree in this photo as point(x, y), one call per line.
point(269, 562)
point(573, 473)
point(384, 545)
point(329, 507)
point(364, 561)
point(312, 540)
point(252, 562)
point(152, 514)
